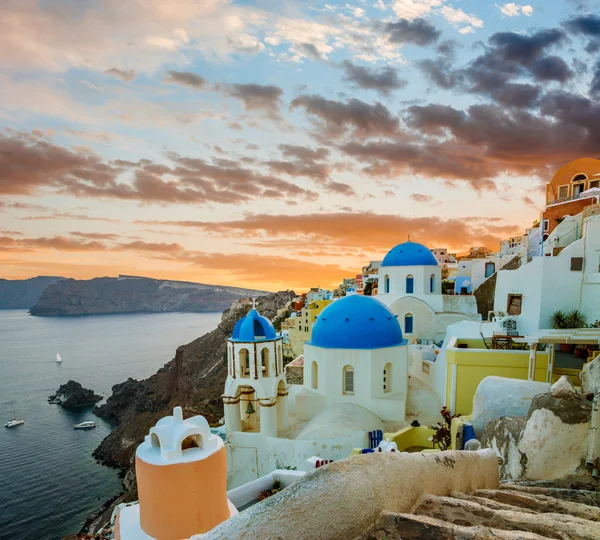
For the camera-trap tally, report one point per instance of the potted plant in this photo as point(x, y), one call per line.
point(559, 321)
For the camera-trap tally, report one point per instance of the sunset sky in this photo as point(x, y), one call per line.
point(281, 144)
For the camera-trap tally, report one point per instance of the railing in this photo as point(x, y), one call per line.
point(569, 199)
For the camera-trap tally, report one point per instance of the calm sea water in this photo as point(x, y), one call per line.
point(49, 482)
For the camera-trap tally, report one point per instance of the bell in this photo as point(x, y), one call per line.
point(250, 409)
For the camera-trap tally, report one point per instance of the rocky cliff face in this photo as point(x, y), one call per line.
point(128, 294)
point(24, 293)
point(74, 396)
point(135, 406)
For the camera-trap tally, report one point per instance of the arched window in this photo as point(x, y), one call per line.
point(244, 357)
point(386, 284)
point(348, 380)
point(578, 182)
point(264, 361)
point(387, 378)
point(432, 283)
point(410, 284)
point(579, 178)
point(314, 377)
point(408, 323)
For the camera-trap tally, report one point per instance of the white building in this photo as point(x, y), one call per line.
point(255, 389)
point(410, 284)
point(567, 281)
point(356, 355)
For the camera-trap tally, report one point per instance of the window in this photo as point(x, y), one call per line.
point(579, 178)
point(264, 362)
point(431, 283)
point(386, 284)
point(563, 192)
point(594, 183)
point(410, 284)
point(387, 378)
point(348, 380)
point(408, 323)
point(577, 264)
point(546, 225)
point(578, 188)
point(513, 306)
point(244, 356)
point(314, 376)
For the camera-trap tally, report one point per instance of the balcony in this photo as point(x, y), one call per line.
point(569, 199)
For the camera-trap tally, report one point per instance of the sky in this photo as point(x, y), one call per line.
point(281, 144)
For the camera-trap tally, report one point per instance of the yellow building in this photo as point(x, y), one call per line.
point(301, 331)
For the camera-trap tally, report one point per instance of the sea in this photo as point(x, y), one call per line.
point(49, 482)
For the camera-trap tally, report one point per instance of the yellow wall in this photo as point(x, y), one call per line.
point(411, 436)
point(302, 330)
point(474, 364)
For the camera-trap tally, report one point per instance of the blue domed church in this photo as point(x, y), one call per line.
point(357, 355)
point(410, 284)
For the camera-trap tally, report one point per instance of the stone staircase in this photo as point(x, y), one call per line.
point(565, 509)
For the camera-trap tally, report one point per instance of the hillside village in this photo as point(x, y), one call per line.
point(454, 395)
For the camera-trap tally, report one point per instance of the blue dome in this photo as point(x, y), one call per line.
point(356, 322)
point(253, 327)
point(409, 254)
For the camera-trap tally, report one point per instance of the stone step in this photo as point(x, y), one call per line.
point(489, 503)
point(469, 513)
point(539, 502)
point(411, 527)
point(591, 498)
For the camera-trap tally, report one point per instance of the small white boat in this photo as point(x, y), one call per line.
point(58, 358)
point(85, 425)
point(15, 421)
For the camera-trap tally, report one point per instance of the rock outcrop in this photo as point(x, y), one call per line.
point(74, 396)
point(24, 293)
point(129, 294)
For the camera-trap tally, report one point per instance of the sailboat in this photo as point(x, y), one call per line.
point(15, 421)
point(58, 358)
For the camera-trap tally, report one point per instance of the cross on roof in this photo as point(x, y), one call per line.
point(253, 303)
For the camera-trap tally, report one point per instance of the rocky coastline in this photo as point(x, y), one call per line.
point(131, 294)
point(74, 396)
point(194, 379)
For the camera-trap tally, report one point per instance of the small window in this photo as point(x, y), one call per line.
point(386, 284)
point(546, 225)
point(431, 283)
point(577, 264)
point(594, 184)
point(563, 192)
point(408, 323)
point(348, 380)
point(387, 378)
point(514, 304)
point(579, 178)
point(314, 378)
point(410, 284)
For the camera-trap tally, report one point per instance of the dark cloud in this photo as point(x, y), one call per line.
point(440, 72)
point(95, 236)
point(595, 84)
point(186, 78)
point(551, 68)
point(31, 165)
point(417, 32)
point(304, 153)
point(335, 118)
point(125, 75)
point(585, 25)
point(383, 81)
point(310, 50)
point(523, 49)
point(256, 97)
point(516, 95)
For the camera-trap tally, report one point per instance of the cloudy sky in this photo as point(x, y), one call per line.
point(276, 143)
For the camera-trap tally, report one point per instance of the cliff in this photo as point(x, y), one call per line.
point(74, 396)
point(24, 293)
point(129, 294)
point(135, 406)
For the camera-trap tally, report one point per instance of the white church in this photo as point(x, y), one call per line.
point(410, 284)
